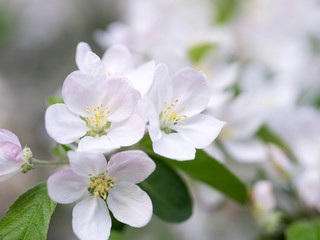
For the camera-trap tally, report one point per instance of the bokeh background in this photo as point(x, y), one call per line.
point(276, 39)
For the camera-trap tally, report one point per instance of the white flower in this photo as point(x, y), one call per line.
point(98, 184)
point(173, 109)
point(262, 196)
point(308, 187)
point(116, 61)
point(13, 158)
point(98, 111)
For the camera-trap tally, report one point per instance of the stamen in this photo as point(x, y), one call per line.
point(101, 184)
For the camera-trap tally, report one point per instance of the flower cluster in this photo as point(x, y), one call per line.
point(109, 104)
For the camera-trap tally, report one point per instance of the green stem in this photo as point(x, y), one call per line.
point(47, 163)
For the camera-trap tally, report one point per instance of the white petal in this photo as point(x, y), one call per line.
point(85, 163)
point(128, 132)
point(96, 144)
point(191, 88)
point(81, 90)
point(174, 146)
point(91, 219)
point(149, 112)
point(200, 130)
point(161, 88)
point(120, 97)
point(129, 204)
point(246, 151)
point(5, 177)
point(62, 125)
point(87, 61)
point(82, 49)
point(142, 77)
point(66, 186)
point(131, 166)
point(118, 59)
point(7, 136)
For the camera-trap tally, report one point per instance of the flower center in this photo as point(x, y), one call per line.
point(26, 154)
point(97, 119)
point(170, 116)
point(101, 184)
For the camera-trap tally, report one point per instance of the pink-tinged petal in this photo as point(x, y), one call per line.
point(142, 77)
point(118, 60)
point(200, 130)
point(191, 88)
point(129, 204)
point(131, 166)
point(128, 132)
point(174, 146)
point(91, 219)
point(8, 161)
point(64, 126)
point(80, 91)
point(247, 151)
point(85, 163)
point(120, 97)
point(148, 111)
point(5, 177)
point(96, 144)
point(9, 151)
point(66, 186)
point(161, 88)
point(7, 136)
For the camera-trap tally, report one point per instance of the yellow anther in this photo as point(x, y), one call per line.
point(108, 112)
point(107, 189)
point(114, 179)
point(101, 105)
point(173, 105)
point(108, 178)
point(177, 100)
point(98, 107)
point(88, 111)
point(105, 107)
point(90, 174)
point(94, 109)
point(96, 193)
point(106, 171)
point(88, 107)
point(165, 103)
point(188, 105)
point(182, 123)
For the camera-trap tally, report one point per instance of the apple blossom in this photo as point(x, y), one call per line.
point(173, 108)
point(13, 158)
point(116, 61)
point(98, 111)
point(100, 185)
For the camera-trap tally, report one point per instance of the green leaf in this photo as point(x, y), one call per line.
point(115, 235)
point(53, 100)
point(301, 230)
point(196, 53)
point(169, 194)
point(225, 10)
point(28, 218)
point(210, 171)
point(60, 151)
point(268, 136)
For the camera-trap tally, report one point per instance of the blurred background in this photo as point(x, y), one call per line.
point(262, 59)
